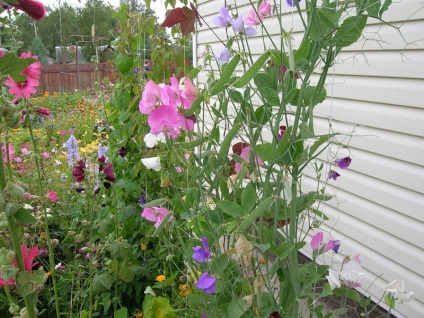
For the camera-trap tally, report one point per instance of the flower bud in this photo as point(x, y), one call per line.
point(8, 272)
point(6, 256)
point(13, 120)
point(13, 192)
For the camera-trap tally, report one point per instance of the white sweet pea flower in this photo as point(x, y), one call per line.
point(152, 140)
point(152, 163)
point(58, 265)
point(333, 279)
point(397, 289)
point(352, 273)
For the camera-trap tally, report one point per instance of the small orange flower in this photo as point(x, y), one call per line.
point(143, 246)
point(184, 289)
point(161, 278)
point(43, 234)
point(262, 260)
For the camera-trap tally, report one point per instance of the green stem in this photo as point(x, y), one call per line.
point(46, 224)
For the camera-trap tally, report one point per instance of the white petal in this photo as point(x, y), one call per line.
point(406, 297)
point(396, 286)
point(58, 265)
point(151, 140)
point(152, 163)
point(333, 279)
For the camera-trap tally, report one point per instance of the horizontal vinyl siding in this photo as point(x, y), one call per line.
point(376, 102)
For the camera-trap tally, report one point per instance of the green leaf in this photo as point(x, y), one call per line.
point(271, 96)
point(260, 209)
point(323, 23)
point(195, 106)
point(373, 7)
point(252, 71)
point(305, 132)
point(24, 216)
point(30, 282)
point(121, 313)
point(384, 7)
point(225, 76)
point(309, 95)
point(162, 225)
point(265, 151)
point(231, 208)
point(158, 308)
point(12, 65)
point(279, 58)
point(236, 96)
point(248, 197)
point(350, 30)
point(219, 264)
point(154, 203)
point(124, 64)
point(193, 73)
point(236, 308)
point(303, 51)
point(349, 293)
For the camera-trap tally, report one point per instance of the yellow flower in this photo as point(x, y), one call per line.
point(143, 247)
point(184, 289)
point(161, 278)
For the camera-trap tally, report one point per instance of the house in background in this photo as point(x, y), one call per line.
point(376, 96)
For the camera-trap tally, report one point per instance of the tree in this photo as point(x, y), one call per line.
point(38, 48)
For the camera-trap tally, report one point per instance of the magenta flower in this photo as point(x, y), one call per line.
point(108, 171)
point(28, 257)
point(34, 69)
point(43, 111)
point(282, 131)
point(152, 97)
point(154, 214)
point(34, 9)
point(24, 88)
point(164, 119)
point(344, 162)
point(206, 283)
point(11, 152)
point(332, 245)
point(200, 254)
point(52, 196)
point(333, 175)
point(189, 93)
point(223, 19)
point(224, 56)
point(316, 240)
point(245, 154)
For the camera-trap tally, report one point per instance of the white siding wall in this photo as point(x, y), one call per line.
point(378, 85)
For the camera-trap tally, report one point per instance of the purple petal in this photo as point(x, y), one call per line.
point(206, 283)
point(344, 163)
point(317, 240)
point(199, 254)
point(292, 3)
point(333, 175)
point(238, 24)
point(224, 56)
point(250, 31)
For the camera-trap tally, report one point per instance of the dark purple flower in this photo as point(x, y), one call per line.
point(108, 171)
point(79, 171)
point(344, 163)
point(282, 130)
point(292, 3)
point(200, 254)
point(122, 152)
point(333, 175)
point(142, 199)
point(79, 189)
point(206, 283)
point(275, 314)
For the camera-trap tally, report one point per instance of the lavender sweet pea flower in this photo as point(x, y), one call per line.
point(292, 3)
point(250, 31)
point(206, 283)
point(344, 163)
point(201, 254)
point(222, 19)
point(224, 56)
point(238, 24)
point(333, 175)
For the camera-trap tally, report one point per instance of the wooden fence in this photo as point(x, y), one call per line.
point(69, 77)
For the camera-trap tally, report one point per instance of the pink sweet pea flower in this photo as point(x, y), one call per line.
point(265, 9)
point(164, 119)
point(246, 156)
point(252, 18)
point(24, 88)
point(11, 152)
point(34, 70)
point(153, 96)
point(316, 240)
point(154, 214)
point(189, 93)
point(52, 196)
point(43, 111)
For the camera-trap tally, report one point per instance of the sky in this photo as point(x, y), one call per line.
point(155, 5)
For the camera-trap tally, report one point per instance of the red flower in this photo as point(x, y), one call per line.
point(79, 171)
point(108, 171)
point(28, 259)
point(43, 111)
point(34, 9)
point(52, 196)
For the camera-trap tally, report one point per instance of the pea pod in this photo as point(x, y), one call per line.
point(252, 71)
point(225, 76)
point(154, 203)
point(227, 142)
point(193, 143)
